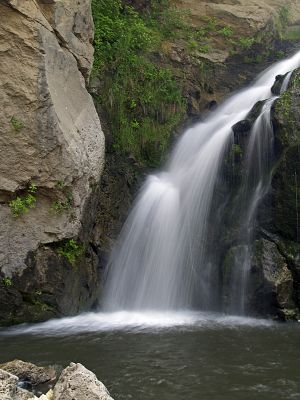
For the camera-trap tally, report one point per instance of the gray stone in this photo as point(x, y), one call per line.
point(9, 389)
point(29, 372)
point(76, 382)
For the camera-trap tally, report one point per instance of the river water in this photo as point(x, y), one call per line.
point(191, 356)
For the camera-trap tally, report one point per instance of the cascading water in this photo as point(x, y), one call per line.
point(255, 185)
point(161, 260)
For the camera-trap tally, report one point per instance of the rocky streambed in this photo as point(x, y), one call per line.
point(74, 382)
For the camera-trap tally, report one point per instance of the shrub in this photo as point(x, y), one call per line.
point(71, 250)
point(7, 282)
point(22, 205)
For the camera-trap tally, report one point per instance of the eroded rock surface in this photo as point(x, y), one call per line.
point(77, 382)
point(29, 372)
point(9, 389)
point(51, 137)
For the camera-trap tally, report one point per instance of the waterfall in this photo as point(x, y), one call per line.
point(254, 186)
point(160, 261)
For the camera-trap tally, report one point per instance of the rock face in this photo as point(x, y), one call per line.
point(52, 149)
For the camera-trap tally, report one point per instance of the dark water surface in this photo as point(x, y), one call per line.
point(229, 360)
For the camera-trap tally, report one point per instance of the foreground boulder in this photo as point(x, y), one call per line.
point(75, 383)
point(29, 372)
point(9, 389)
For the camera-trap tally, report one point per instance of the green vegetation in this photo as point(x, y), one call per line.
point(246, 42)
point(284, 15)
point(226, 31)
point(60, 185)
point(22, 205)
point(16, 124)
point(71, 250)
point(293, 33)
point(63, 205)
point(283, 105)
point(237, 150)
point(60, 206)
point(7, 282)
point(142, 100)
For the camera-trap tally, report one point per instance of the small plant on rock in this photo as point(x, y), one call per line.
point(226, 31)
point(60, 206)
point(16, 124)
point(7, 282)
point(71, 250)
point(22, 205)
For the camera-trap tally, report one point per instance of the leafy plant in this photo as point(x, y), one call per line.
point(16, 124)
point(226, 31)
point(246, 42)
point(7, 281)
point(32, 188)
point(71, 250)
point(22, 205)
point(59, 206)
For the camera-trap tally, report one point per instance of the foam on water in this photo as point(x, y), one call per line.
point(147, 321)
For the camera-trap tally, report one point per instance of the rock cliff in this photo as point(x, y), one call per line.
point(51, 155)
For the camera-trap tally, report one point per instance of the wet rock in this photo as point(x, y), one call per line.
point(271, 289)
point(29, 372)
point(77, 382)
point(276, 88)
point(241, 127)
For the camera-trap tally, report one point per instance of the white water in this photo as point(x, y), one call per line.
point(147, 321)
point(254, 187)
point(160, 262)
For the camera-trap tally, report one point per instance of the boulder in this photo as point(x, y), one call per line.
point(9, 389)
point(29, 372)
point(77, 382)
